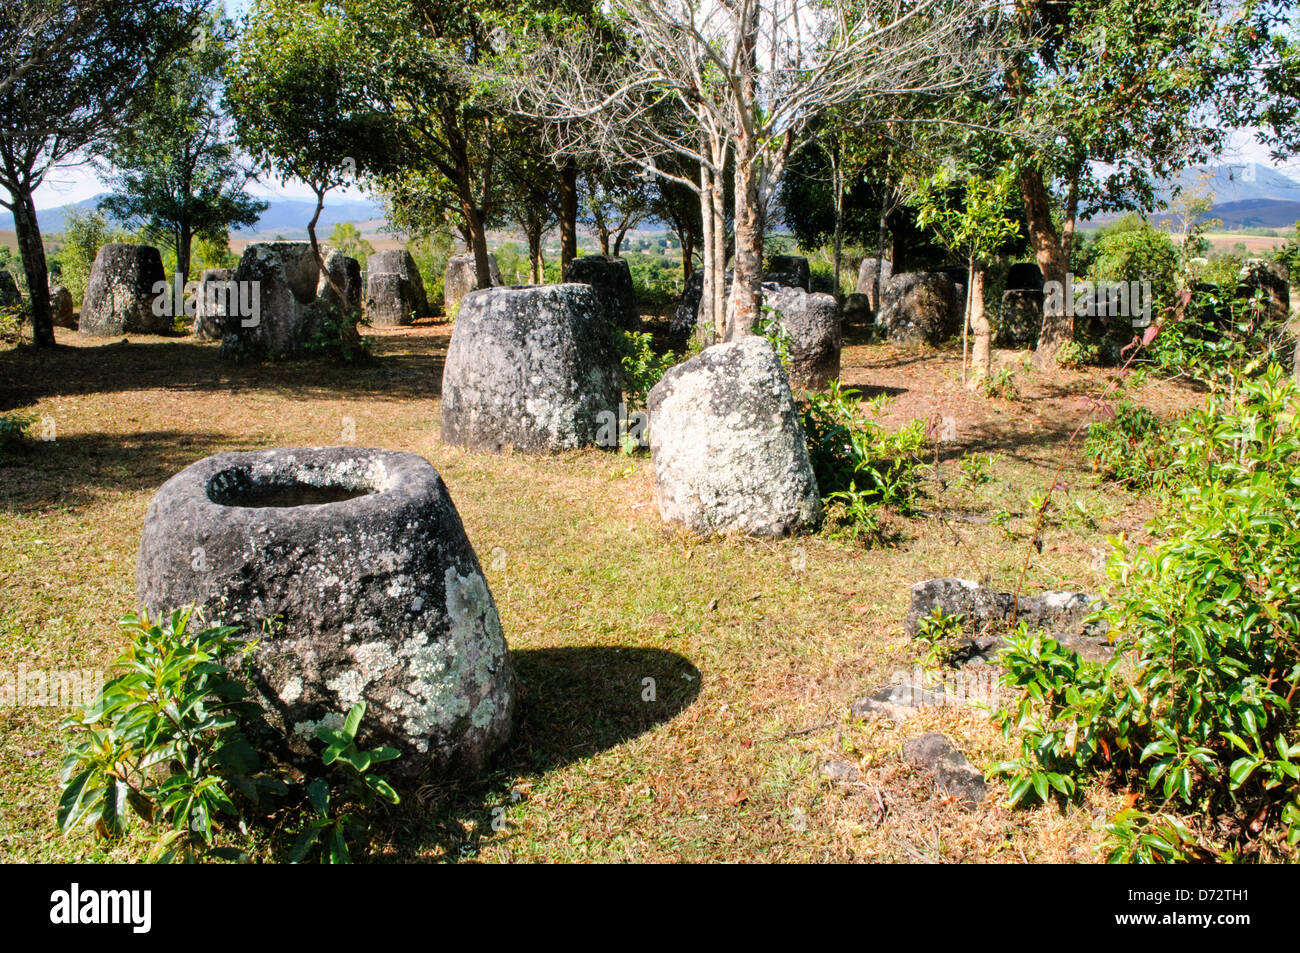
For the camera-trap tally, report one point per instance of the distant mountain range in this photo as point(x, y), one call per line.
point(284, 216)
point(1246, 195)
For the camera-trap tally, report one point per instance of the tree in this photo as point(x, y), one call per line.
point(297, 87)
point(177, 171)
point(747, 79)
point(73, 72)
point(970, 214)
point(1112, 97)
point(348, 240)
point(618, 197)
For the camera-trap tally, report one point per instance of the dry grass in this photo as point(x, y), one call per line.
point(756, 648)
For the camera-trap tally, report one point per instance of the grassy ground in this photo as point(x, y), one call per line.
point(756, 648)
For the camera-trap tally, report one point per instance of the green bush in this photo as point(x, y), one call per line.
point(83, 235)
point(860, 466)
point(172, 741)
point(642, 365)
point(1196, 712)
point(13, 429)
point(1133, 448)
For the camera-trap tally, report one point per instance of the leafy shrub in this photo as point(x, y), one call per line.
point(13, 429)
point(83, 234)
point(1221, 337)
point(1133, 448)
point(943, 637)
point(170, 741)
point(860, 465)
point(324, 829)
point(1197, 710)
point(1076, 354)
point(642, 365)
point(770, 326)
point(338, 338)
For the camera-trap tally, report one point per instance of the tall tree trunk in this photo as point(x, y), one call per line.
point(837, 184)
point(704, 313)
point(687, 240)
point(1058, 322)
point(536, 267)
point(184, 242)
point(981, 352)
point(568, 213)
point(35, 268)
point(747, 280)
point(719, 258)
point(474, 227)
point(880, 257)
point(1071, 218)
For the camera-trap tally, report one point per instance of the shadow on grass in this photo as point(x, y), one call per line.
point(401, 367)
point(71, 470)
point(574, 703)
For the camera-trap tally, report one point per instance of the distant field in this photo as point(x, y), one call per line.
point(1255, 244)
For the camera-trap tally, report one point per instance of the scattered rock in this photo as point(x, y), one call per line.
point(858, 311)
point(61, 308)
point(611, 279)
point(212, 306)
point(394, 289)
point(688, 308)
point(986, 614)
point(920, 307)
point(1022, 317)
point(277, 280)
point(788, 271)
point(529, 367)
point(726, 445)
point(120, 294)
point(953, 773)
point(901, 702)
point(812, 322)
point(346, 274)
point(840, 771)
point(362, 557)
point(390, 300)
point(867, 272)
point(461, 278)
point(1273, 278)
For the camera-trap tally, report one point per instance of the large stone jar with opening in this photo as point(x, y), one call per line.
point(358, 563)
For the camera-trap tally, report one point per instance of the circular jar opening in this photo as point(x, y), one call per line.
point(260, 487)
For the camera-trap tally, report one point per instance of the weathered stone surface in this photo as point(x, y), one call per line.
point(1022, 317)
point(611, 279)
point(345, 272)
point(461, 278)
point(65, 315)
point(529, 367)
point(9, 296)
point(919, 307)
point(788, 271)
point(362, 556)
point(301, 268)
point(840, 771)
point(271, 280)
point(987, 614)
point(952, 772)
point(391, 303)
point(867, 272)
point(1024, 275)
point(390, 300)
point(726, 445)
point(857, 311)
point(212, 304)
point(120, 294)
point(1273, 279)
point(688, 307)
point(812, 323)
